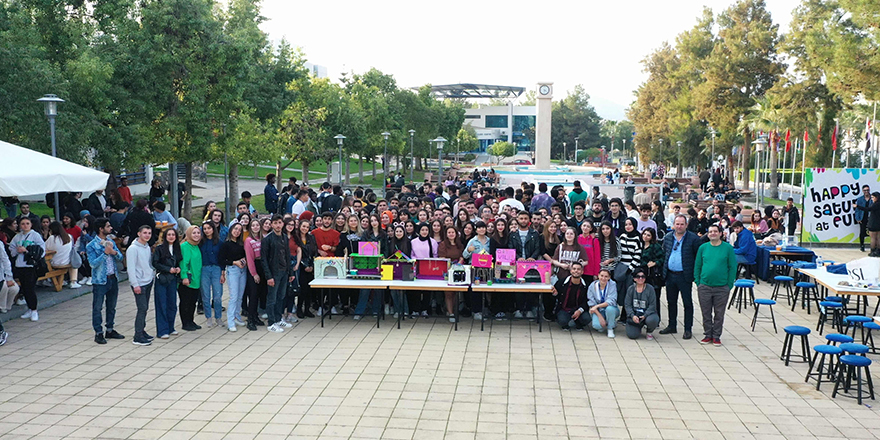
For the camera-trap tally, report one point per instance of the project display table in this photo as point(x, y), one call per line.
point(791, 253)
point(327, 284)
point(830, 280)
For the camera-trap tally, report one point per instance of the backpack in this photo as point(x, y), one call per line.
point(282, 203)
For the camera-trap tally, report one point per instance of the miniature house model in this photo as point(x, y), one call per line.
point(459, 275)
point(330, 267)
point(431, 268)
point(533, 271)
point(366, 265)
point(402, 266)
point(482, 264)
point(505, 265)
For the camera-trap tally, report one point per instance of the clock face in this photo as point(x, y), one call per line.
point(545, 90)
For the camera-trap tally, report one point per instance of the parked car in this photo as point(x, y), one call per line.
point(519, 162)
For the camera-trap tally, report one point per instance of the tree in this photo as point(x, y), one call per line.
point(466, 139)
point(574, 117)
point(502, 150)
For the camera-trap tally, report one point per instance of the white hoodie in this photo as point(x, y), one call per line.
point(140, 265)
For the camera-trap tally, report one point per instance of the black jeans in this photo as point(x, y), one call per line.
point(142, 301)
point(187, 309)
point(28, 278)
point(304, 300)
point(863, 230)
point(249, 299)
point(677, 283)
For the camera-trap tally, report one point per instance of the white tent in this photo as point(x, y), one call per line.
point(25, 172)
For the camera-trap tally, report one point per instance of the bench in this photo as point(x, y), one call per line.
point(55, 273)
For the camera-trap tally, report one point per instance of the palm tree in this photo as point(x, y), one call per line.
point(764, 115)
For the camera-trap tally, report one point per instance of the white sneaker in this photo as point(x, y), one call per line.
point(27, 315)
point(530, 314)
point(611, 333)
point(517, 314)
point(88, 281)
point(451, 318)
point(650, 336)
point(175, 333)
point(75, 285)
point(395, 315)
point(387, 309)
point(275, 328)
point(333, 311)
point(239, 322)
point(478, 316)
point(20, 302)
point(357, 317)
point(2, 310)
point(320, 311)
point(284, 323)
point(425, 314)
point(292, 318)
point(233, 329)
point(34, 316)
point(264, 316)
point(164, 337)
point(415, 314)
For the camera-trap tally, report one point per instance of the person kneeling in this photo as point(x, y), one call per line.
point(573, 300)
point(641, 307)
point(602, 299)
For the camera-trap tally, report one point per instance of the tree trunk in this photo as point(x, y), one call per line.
point(746, 150)
point(305, 172)
point(233, 187)
point(774, 159)
point(360, 168)
point(278, 172)
point(374, 169)
point(256, 171)
point(187, 201)
point(348, 171)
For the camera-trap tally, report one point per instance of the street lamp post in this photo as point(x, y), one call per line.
point(624, 148)
point(760, 144)
point(563, 153)
point(385, 166)
point(576, 150)
point(678, 172)
point(712, 159)
point(440, 141)
point(412, 158)
point(51, 102)
point(226, 175)
point(339, 138)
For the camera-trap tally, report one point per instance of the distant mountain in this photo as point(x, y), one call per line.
point(608, 109)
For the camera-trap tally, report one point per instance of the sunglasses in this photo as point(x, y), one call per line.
point(675, 247)
point(638, 276)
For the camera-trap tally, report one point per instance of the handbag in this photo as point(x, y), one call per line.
point(75, 259)
point(620, 271)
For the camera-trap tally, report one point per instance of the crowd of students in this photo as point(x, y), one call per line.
point(610, 258)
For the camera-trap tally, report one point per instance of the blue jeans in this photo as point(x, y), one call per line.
point(364, 297)
point(12, 210)
point(235, 281)
point(211, 282)
point(165, 303)
point(563, 318)
point(275, 297)
point(610, 313)
point(102, 293)
point(399, 301)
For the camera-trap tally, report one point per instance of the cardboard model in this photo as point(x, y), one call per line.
point(431, 268)
point(459, 275)
point(403, 266)
point(330, 267)
point(533, 271)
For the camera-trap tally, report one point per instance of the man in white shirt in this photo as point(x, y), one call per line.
point(301, 204)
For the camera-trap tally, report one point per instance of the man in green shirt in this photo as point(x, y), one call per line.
point(714, 273)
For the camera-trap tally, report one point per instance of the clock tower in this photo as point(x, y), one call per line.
point(542, 125)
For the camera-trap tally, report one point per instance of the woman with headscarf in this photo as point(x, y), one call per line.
point(190, 277)
point(423, 246)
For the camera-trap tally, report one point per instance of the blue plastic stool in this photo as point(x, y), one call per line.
point(769, 303)
point(790, 332)
point(856, 322)
point(869, 338)
point(782, 281)
point(855, 348)
point(838, 338)
point(835, 308)
point(822, 370)
point(853, 365)
point(808, 293)
point(740, 288)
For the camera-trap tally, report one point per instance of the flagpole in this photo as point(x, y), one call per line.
point(834, 144)
point(873, 121)
point(804, 171)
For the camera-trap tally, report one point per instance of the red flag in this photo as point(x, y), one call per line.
point(834, 138)
point(787, 140)
point(806, 137)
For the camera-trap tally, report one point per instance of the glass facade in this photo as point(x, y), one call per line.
point(496, 121)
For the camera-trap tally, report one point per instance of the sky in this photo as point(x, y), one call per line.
point(513, 43)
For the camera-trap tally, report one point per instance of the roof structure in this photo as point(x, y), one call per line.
point(476, 91)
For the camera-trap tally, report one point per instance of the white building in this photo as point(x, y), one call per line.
point(502, 123)
point(318, 71)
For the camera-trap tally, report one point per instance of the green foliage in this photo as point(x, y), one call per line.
point(574, 117)
point(502, 150)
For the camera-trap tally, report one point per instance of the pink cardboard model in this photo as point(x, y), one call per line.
point(482, 260)
point(368, 248)
point(533, 271)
